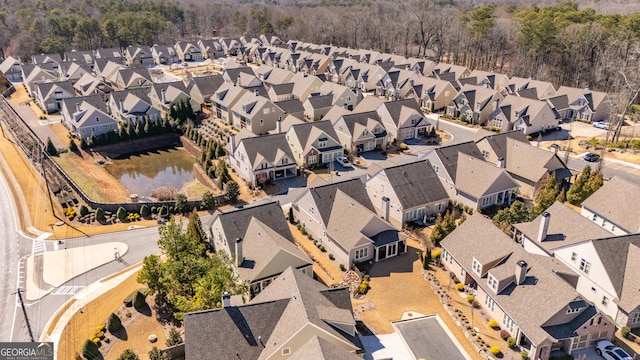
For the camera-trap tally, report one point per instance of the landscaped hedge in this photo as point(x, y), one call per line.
point(114, 324)
point(90, 350)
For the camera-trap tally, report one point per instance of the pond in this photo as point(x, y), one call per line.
point(144, 172)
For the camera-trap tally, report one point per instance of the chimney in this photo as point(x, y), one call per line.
point(239, 256)
point(279, 125)
point(345, 106)
point(77, 107)
point(304, 73)
point(385, 208)
point(496, 102)
point(521, 271)
point(256, 92)
point(238, 80)
point(164, 98)
point(544, 226)
point(226, 299)
point(232, 142)
point(122, 105)
point(500, 162)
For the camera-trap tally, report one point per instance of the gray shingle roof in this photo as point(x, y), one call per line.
point(395, 108)
point(325, 195)
point(320, 349)
point(320, 101)
point(498, 142)
point(268, 147)
point(206, 85)
point(415, 184)
point(307, 133)
point(448, 155)
point(290, 106)
point(568, 330)
point(618, 201)
point(566, 227)
point(95, 101)
point(479, 178)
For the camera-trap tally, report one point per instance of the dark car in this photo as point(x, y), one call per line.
point(591, 157)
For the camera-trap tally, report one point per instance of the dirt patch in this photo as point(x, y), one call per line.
point(574, 147)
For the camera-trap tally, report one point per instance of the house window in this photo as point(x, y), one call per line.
point(493, 282)
point(486, 201)
point(605, 301)
point(313, 159)
point(285, 161)
point(585, 266)
point(477, 267)
point(485, 154)
point(613, 228)
point(462, 273)
point(595, 218)
point(439, 207)
point(361, 253)
point(436, 168)
point(574, 310)
point(261, 122)
point(635, 318)
point(488, 301)
point(322, 142)
point(286, 351)
point(508, 323)
point(593, 289)
point(573, 257)
point(604, 223)
point(497, 123)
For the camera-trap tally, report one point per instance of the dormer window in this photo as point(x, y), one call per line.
point(477, 267)
point(492, 282)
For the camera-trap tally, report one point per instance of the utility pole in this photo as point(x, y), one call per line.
point(24, 311)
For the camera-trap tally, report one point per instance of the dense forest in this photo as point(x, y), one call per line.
point(564, 43)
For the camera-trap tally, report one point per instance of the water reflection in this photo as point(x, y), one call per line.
point(144, 172)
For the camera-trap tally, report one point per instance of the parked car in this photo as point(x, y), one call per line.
point(184, 64)
point(343, 161)
point(554, 147)
point(591, 157)
point(601, 125)
point(609, 351)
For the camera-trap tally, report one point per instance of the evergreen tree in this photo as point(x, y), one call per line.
point(575, 195)
point(157, 354)
point(220, 152)
point(516, 213)
point(83, 144)
point(181, 203)
point(232, 191)
point(222, 172)
point(128, 354)
point(73, 147)
point(51, 149)
point(174, 337)
point(208, 200)
point(593, 184)
point(547, 195)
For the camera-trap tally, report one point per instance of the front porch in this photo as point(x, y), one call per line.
point(275, 174)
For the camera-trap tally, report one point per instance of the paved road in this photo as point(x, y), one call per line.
point(427, 339)
point(9, 258)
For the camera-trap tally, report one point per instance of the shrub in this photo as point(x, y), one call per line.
point(51, 149)
point(128, 354)
point(101, 327)
point(624, 331)
point(363, 287)
point(524, 354)
point(121, 214)
point(511, 342)
point(114, 324)
point(90, 350)
point(504, 334)
point(435, 253)
point(470, 298)
point(404, 146)
point(145, 212)
point(156, 354)
point(342, 267)
point(291, 219)
point(303, 230)
point(322, 248)
point(331, 257)
point(154, 210)
point(494, 324)
point(100, 215)
point(495, 350)
point(174, 337)
point(100, 334)
point(83, 210)
point(139, 300)
point(460, 286)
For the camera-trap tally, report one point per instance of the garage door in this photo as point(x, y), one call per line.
point(406, 134)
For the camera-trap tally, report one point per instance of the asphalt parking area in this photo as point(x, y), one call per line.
point(428, 338)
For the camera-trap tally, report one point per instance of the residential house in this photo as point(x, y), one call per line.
point(33, 74)
point(224, 99)
point(403, 120)
point(165, 95)
point(46, 58)
point(211, 48)
point(341, 217)
point(314, 143)
point(342, 95)
point(421, 66)
point(361, 132)
point(581, 104)
point(513, 287)
point(280, 92)
point(456, 72)
point(202, 88)
point(305, 85)
point(295, 317)
point(391, 84)
point(431, 93)
point(536, 89)
point(83, 57)
point(406, 193)
point(108, 53)
point(469, 179)
point(316, 107)
point(107, 69)
point(290, 107)
point(48, 95)
point(164, 55)
point(615, 207)
point(126, 78)
point(530, 116)
point(138, 56)
point(187, 51)
point(241, 76)
point(474, 104)
point(487, 79)
point(607, 266)
point(132, 106)
point(73, 70)
point(370, 78)
point(70, 106)
point(11, 69)
point(88, 120)
point(89, 84)
point(258, 239)
point(256, 113)
point(258, 159)
point(272, 75)
point(230, 46)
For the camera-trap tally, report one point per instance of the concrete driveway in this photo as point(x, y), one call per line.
point(428, 338)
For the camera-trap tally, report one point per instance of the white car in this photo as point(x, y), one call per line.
point(609, 351)
point(343, 161)
point(601, 125)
